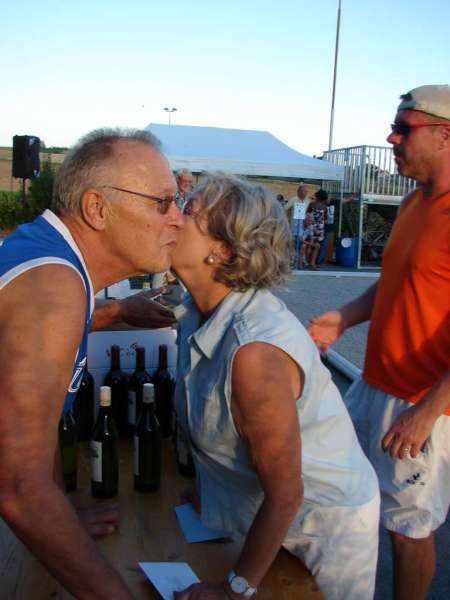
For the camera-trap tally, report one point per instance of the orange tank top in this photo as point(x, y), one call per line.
point(408, 346)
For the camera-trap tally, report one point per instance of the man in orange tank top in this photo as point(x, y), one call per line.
point(401, 405)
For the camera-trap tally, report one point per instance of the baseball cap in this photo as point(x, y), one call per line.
point(431, 99)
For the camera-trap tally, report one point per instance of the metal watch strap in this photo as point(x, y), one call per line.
point(248, 592)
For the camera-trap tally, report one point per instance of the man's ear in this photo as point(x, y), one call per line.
point(93, 208)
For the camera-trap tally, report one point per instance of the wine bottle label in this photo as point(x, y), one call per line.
point(132, 408)
point(96, 461)
point(136, 455)
point(182, 449)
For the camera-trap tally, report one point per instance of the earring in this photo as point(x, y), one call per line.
point(210, 260)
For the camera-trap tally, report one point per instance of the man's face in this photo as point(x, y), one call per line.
point(302, 192)
point(141, 236)
point(415, 151)
point(184, 183)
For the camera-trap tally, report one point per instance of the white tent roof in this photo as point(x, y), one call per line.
point(238, 151)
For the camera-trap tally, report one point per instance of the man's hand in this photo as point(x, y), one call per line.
point(203, 591)
point(408, 433)
point(99, 519)
point(141, 311)
point(326, 328)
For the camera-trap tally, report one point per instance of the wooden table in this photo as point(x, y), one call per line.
point(149, 531)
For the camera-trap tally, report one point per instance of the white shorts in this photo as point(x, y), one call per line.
point(339, 545)
point(415, 492)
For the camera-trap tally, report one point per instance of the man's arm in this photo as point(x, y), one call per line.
point(40, 329)
point(138, 310)
point(327, 327)
point(409, 432)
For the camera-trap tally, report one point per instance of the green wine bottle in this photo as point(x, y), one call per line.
point(104, 456)
point(135, 383)
point(116, 380)
point(164, 389)
point(147, 445)
point(68, 435)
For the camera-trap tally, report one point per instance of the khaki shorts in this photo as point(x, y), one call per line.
point(415, 492)
point(339, 545)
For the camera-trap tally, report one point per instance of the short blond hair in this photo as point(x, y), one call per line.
point(253, 224)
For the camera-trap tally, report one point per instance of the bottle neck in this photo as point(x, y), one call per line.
point(162, 361)
point(115, 357)
point(140, 359)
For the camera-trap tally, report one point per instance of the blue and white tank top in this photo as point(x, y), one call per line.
point(48, 241)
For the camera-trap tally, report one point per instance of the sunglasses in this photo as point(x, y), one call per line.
point(163, 203)
point(402, 128)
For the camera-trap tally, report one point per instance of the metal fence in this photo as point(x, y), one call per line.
point(369, 171)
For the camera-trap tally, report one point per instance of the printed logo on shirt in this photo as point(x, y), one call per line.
point(77, 376)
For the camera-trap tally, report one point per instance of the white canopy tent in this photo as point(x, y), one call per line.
point(238, 151)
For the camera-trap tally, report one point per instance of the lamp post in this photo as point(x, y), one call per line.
point(170, 111)
point(336, 52)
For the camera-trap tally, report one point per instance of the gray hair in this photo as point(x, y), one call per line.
point(184, 172)
point(253, 224)
point(87, 163)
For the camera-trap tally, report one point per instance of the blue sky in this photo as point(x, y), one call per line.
point(69, 67)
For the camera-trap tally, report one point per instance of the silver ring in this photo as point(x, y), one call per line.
point(406, 449)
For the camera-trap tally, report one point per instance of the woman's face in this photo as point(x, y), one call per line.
point(193, 242)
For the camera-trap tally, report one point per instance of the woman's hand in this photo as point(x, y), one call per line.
point(203, 591)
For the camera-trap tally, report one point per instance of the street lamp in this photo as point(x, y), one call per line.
point(170, 111)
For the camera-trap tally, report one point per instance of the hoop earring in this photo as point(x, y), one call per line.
point(210, 260)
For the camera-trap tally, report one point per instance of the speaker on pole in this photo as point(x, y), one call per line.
point(26, 164)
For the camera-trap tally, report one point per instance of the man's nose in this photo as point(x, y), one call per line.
point(175, 216)
point(393, 138)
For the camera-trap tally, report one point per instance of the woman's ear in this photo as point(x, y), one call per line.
point(93, 208)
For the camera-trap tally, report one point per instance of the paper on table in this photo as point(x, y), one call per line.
point(192, 527)
point(168, 577)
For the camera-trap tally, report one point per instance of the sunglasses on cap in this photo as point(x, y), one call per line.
point(163, 203)
point(403, 128)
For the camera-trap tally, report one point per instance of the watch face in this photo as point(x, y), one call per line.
point(239, 585)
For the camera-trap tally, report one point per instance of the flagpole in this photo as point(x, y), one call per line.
point(336, 52)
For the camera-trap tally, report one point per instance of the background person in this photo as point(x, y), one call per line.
point(113, 216)
point(401, 405)
point(276, 456)
point(309, 248)
point(296, 209)
point(184, 185)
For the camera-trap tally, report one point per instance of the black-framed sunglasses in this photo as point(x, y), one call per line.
point(402, 128)
point(163, 203)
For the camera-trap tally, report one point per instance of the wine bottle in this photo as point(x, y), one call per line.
point(68, 435)
point(104, 458)
point(83, 407)
point(183, 456)
point(116, 380)
point(164, 390)
point(147, 445)
point(135, 384)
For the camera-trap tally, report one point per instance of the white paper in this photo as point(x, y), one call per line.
point(168, 577)
point(192, 527)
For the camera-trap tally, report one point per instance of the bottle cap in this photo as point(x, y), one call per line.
point(148, 393)
point(105, 395)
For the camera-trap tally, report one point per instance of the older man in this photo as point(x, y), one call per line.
point(295, 211)
point(184, 184)
point(113, 216)
point(401, 406)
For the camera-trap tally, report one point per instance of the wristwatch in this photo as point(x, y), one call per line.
point(239, 585)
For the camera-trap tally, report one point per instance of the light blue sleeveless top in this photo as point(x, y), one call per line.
point(48, 241)
point(335, 470)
